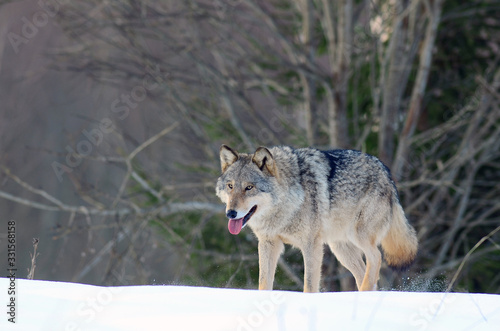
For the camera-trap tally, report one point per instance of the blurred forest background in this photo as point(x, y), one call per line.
point(112, 114)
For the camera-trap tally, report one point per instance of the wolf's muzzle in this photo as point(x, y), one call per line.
point(235, 225)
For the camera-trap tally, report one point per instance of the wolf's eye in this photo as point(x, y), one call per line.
point(230, 186)
point(249, 187)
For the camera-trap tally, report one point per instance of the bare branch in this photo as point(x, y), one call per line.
point(132, 155)
point(31, 270)
point(469, 253)
point(169, 209)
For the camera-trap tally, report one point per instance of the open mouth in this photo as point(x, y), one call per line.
point(235, 225)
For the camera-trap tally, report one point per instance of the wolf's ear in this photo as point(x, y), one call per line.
point(265, 161)
point(227, 157)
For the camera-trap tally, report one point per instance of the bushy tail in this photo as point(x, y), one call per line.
point(400, 244)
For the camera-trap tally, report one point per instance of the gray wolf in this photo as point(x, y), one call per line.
point(307, 198)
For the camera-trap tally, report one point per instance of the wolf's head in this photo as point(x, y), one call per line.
point(246, 185)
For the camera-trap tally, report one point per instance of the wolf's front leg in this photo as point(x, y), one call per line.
point(313, 258)
point(269, 252)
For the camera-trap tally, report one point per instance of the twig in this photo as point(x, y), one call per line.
point(479, 243)
point(31, 271)
point(146, 186)
point(30, 203)
point(290, 273)
point(126, 233)
point(130, 157)
point(230, 280)
point(30, 188)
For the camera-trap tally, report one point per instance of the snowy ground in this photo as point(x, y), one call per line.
point(43, 305)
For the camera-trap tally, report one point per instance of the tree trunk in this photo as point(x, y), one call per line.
point(434, 13)
point(308, 85)
point(339, 56)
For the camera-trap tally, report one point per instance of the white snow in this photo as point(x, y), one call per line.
point(45, 305)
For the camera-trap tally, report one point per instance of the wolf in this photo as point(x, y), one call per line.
point(308, 198)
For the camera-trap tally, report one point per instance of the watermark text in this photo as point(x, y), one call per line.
point(11, 269)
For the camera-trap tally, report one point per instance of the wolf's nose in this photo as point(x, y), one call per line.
point(231, 213)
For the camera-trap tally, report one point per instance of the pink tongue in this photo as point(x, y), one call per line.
point(235, 225)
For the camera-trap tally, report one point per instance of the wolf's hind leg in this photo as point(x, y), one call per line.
point(351, 257)
point(373, 263)
point(269, 252)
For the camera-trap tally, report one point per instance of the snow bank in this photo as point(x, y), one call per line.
point(43, 305)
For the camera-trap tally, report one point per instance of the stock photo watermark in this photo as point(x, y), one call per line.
point(48, 9)
point(122, 107)
point(92, 307)
point(263, 310)
point(11, 271)
point(425, 315)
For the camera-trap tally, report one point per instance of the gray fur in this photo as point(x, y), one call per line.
point(307, 197)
